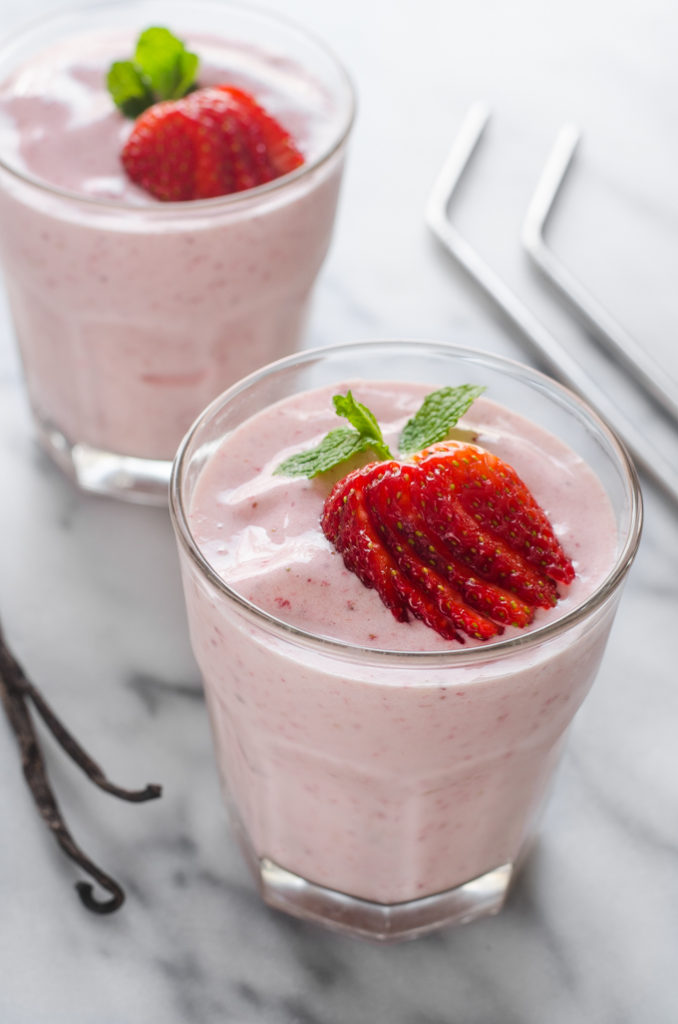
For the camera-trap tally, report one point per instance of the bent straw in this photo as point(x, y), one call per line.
point(646, 371)
point(519, 316)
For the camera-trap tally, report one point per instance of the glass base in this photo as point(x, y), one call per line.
point(383, 922)
point(143, 481)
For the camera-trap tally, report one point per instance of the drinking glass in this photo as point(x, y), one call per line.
point(385, 793)
point(132, 314)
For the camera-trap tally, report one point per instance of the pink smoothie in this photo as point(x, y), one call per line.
point(131, 314)
point(384, 778)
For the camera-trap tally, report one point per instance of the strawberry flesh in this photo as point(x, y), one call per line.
point(402, 512)
point(213, 142)
point(493, 495)
point(454, 538)
point(390, 500)
point(362, 550)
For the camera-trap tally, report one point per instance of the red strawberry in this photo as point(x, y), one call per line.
point(212, 142)
point(454, 537)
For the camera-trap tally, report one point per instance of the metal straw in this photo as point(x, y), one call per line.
point(532, 330)
point(618, 342)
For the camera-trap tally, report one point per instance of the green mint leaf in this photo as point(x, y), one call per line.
point(439, 413)
point(161, 69)
point(340, 444)
point(335, 447)
point(188, 71)
point(130, 91)
point(165, 63)
point(360, 417)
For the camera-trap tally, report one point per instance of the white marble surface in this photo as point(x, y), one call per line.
point(89, 590)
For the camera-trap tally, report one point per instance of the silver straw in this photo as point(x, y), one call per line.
point(532, 330)
point(648, 373)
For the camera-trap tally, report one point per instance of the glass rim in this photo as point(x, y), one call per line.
point(461, 654)
point(233, 200)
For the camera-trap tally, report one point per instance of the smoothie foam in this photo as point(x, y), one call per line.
point(387, 782)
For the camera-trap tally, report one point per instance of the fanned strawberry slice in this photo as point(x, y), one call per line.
point(155, 154)
point(483, 551)
point(268, 139)
point(212, 142)
point(454, 537)
point(362, 551)
point(403, 514)
point(389, 500)
point(493, 494)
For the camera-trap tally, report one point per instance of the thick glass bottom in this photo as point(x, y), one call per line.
point(383, 922)
point(143, 481)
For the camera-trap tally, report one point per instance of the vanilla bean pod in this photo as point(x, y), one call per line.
point(16, 691)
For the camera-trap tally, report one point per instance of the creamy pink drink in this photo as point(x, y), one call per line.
point(132, 314)
point(384, 780)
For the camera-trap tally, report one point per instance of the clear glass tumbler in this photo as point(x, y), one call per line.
point(432, 830)
point(132, 314)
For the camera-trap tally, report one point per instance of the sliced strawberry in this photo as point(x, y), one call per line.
point(454, 537)
point(270, 140)
point(348, 523)
point(496, 499)
point(389, 502)
point(213, 142)
point(401, 510)
point(482, 551)
point(159, 153)
point(425, 607)
point(362, 551)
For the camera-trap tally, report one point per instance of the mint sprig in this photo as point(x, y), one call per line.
point(438, 414)
point(362, 420)
point(340, 444)
point(335, 447)
point(161, 69)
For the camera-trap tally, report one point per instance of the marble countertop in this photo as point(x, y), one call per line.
point(91, 602)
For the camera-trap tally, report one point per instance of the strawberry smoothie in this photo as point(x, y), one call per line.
point(131, 313)
point(365, 757)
